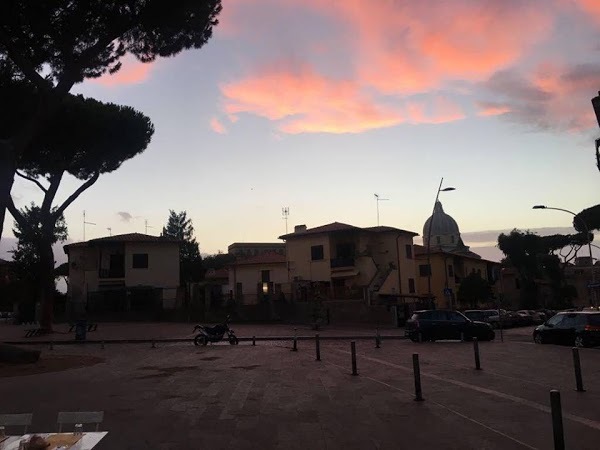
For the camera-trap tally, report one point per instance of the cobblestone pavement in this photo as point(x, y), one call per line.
point(269, 397)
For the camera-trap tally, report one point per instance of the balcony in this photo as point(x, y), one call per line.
point(111, 273)
point(337, 263)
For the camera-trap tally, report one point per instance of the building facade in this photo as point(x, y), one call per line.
point(348, 262)
point(128, 272)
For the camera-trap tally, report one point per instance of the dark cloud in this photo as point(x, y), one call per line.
point(125, 216)
point(474, 237)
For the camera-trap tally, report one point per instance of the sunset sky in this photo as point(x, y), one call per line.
point(319, 104)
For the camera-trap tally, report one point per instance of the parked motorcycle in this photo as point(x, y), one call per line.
point(215, 334)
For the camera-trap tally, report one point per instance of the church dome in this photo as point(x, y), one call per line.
point(443, 224)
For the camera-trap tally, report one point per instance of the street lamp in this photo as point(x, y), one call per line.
point(446, 189)
point(596, 106)
point(587, 230)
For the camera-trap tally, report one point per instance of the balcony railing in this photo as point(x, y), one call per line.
point(341, 262)
point(111, 273)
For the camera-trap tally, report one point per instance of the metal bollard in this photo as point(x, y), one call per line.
point(420, 337)
point(557, 421)
point(295, 347)
point(153, 344)
point(417, 375)
point(102, 345)
point(353, 351)
point(253, 340)
point(317, 347)
point(377, 339)
point(577, 365)
point(462, 337)
point(476, 351)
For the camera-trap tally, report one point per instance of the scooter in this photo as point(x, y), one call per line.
point(214, 334)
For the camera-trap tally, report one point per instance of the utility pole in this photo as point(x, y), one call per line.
point(285, 212)
point(379, 199)
point(146, 226)
point(84, 224)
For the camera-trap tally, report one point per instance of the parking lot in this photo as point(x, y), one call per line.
point(267, 396)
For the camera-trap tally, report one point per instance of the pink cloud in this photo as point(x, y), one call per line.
point(131, 72)
point(217, 126)
point(487, 109)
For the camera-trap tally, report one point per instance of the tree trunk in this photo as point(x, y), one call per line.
point(7, 177)
point(46, 283)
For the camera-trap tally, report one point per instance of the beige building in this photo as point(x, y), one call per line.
point(348, 262)
point(128, 272)
point(260, 277)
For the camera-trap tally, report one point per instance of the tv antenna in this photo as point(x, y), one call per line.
point(285, 212)
point(146, 226)
point(379, 199)
point(109, 231)
point(84, 224)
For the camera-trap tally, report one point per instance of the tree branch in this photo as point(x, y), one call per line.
point(10, 205)
point(76, 194)
point(54, 180)
point(22, 63)
point(40, 185)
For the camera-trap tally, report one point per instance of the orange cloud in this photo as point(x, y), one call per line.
point(488, 109)
point(591, 7)
point(132, 72)
point(217, 126)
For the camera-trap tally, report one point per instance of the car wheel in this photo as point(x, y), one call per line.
point(579, 341)
point(538, 338)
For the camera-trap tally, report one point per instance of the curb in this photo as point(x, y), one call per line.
point(191, 339)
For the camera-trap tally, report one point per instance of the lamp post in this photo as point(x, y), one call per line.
point(589, 240)
point(437, 195)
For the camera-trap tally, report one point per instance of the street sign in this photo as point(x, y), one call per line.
point(448, 291)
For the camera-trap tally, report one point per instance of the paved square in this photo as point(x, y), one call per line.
point(268, 397)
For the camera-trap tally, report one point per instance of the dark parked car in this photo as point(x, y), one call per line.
point(581, 329)
point(443, 324)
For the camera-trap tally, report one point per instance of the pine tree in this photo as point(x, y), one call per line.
point(190, 262)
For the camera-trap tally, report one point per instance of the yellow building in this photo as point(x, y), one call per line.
point(451, 261)
point(349, 262)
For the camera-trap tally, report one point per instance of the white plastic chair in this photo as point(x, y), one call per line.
point(74, 417)
point(16, 420)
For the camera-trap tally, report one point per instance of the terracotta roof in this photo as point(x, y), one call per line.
point(338, 226)
point(129, 237)
point(263, 258)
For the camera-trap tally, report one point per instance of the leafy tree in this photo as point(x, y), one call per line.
point(190, 262)
point(473, 290)
point(56, 43)
point(33, 252)
point(535, 257)
point(86, 138)
point(217, 261)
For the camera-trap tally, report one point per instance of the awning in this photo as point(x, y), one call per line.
point(344, 273)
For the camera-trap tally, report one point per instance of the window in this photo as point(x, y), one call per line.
point(424, 270)
point(450, 270)
point(316, 252)
point(593, 319)
point(265, 276)
point(556, 319)
point(411, 285)
point(409, 251)
point(569, 321)
point(140, 260)
point(438, 240)
point(438, 315)
point(456, 317)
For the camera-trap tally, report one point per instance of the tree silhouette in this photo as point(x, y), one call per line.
point(190, 262)
point(85, 139)
point(56, 43)
point(473, 289)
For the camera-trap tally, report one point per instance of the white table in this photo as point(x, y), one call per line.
point(87, 441)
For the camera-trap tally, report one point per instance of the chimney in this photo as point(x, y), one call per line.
point(299, 228)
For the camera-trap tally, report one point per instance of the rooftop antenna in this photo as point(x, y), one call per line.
point(379, 199)
point(285, 212)
point(146, 226)
point(84, 224)
point(109, 231)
